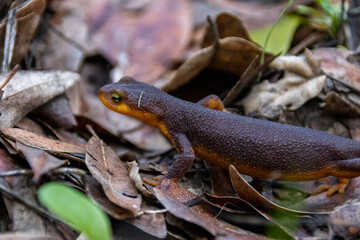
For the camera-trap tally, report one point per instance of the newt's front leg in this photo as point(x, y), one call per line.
point(183, 162)
point(185, 158)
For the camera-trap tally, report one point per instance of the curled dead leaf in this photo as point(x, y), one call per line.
point(232, 55)
point(27, 18)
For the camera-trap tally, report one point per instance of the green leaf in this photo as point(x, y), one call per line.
point(75, 209)
point(281, 36)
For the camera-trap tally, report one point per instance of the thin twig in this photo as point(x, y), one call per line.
point(15, 69)
point(67, 39)
point(70, 170)
point(17, 172)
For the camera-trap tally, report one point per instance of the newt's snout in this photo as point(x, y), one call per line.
point(104, 95)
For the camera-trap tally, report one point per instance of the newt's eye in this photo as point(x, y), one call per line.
point(116, 97)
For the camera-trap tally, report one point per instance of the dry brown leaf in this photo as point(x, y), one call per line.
point(28, 90)
point(151, 221)
point(335, 63)
point(173, 196)
point(229, 25)
point(57, 112)
point(144, 44)
point(27, 18)
point(67, 40)
point(32, 140)
point(7, 163)
point(340, 104)
point(106, 167)
point(39, 160)
point(232, 55)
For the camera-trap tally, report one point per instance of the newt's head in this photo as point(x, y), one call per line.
point(133, 98)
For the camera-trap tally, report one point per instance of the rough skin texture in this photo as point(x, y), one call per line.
point(258, 148)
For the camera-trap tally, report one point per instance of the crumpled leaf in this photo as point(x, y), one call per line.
point(28, 90)
point(268, 99)
point(305, 66)
point(292, 91)
point(106, 168)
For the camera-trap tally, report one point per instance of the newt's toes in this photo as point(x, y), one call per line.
point(331, 190)
point(155, 180)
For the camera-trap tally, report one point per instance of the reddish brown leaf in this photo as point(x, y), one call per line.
point(106, 168)
point(33, 140)
point(173, 196)
point(335, 63)
point(144, 45)
point(7, 163)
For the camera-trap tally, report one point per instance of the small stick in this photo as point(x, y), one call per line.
point(15, 69)
point(16, 173)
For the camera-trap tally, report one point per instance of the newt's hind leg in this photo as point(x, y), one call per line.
point(343, 170)
point(213, 102)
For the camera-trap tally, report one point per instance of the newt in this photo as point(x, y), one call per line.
point(255, 147)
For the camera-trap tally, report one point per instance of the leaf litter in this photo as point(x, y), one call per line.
point(46, 109)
